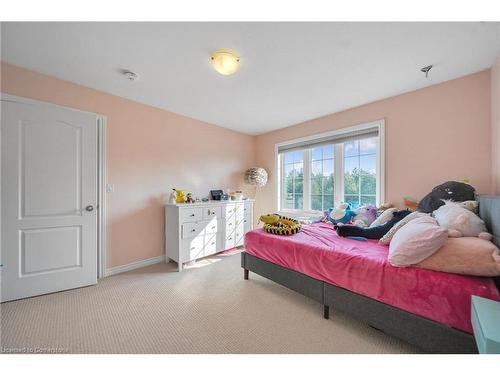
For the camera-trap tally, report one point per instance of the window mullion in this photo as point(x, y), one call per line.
point(359, 174)
point(282, 188)
point(306, 182)
point(338, 173)
point(283, 182)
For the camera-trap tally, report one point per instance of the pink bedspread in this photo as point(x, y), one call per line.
point(362, 267)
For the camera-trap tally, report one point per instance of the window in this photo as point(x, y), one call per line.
point(293, 180)
point(360, 172)
point(320, 172)
point(321, 177)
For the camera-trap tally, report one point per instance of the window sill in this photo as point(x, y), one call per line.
point(302, 215)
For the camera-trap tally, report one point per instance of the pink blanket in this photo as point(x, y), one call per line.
point(362, 267)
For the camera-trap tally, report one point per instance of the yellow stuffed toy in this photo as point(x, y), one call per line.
point(281, 225)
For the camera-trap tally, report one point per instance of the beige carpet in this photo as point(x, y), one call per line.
point(208, 308)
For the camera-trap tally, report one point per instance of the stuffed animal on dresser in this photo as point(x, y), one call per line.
point(460, 220)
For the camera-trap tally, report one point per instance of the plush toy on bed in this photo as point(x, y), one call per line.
point(451, 190)
point(281, 225)
point(340, 215)
point(460, 220)
point(372, 232)
point(365, 215)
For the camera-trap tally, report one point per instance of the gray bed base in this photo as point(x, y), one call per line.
point(426, 334)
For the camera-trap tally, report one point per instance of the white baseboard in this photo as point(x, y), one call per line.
point(134, 265)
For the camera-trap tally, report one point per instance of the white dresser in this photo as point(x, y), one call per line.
point(196, 230)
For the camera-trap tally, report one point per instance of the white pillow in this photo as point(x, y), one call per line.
point(384, 217)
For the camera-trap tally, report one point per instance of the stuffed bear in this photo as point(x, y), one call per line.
point(451, 190)
point(461, 221)
point(374, 233)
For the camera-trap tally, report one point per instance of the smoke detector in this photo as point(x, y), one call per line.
point(131, 76)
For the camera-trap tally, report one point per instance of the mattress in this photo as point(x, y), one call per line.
point(362, 267)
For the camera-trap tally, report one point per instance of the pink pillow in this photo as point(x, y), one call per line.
point(416, 241)
point(467, 256)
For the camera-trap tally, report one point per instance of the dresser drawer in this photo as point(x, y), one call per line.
point(247, 223)
point(210, 226)
point(229, 210)
point(238, 220)
point(229, 241)
point(211, 212)
point(212, 243)
point(191, 230)
point(200, 228)
point(192, 248)
point(190, 214)
point(230, 224)
point(239, 209)
point(239, 233)
point(199, 247)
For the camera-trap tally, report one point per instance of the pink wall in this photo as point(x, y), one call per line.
point(149, 151)
point(495, 127)
point(434, 134)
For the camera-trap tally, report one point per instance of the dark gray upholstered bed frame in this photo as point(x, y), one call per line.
point(428, 335)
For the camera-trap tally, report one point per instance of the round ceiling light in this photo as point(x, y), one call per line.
point(225, 61)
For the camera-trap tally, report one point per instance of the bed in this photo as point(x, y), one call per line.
point(426, 308)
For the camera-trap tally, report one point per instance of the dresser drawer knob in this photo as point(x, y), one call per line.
point(192, 215)
point(193, 230)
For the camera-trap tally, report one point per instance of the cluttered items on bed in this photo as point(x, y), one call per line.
point(446, 217)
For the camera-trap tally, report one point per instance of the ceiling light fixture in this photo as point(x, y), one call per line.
point(225, 61)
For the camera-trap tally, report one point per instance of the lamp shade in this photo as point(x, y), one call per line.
point(256, 176)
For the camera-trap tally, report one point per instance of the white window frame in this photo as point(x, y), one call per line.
point(338, 166)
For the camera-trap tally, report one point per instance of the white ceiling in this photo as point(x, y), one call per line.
point(290, 72)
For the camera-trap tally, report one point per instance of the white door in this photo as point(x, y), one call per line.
point(49, 198)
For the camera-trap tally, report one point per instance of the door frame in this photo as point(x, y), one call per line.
point(101, 175)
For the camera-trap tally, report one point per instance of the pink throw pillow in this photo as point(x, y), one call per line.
point(467, 256)
point(416, 241)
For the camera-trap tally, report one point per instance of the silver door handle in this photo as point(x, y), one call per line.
point(89, 208)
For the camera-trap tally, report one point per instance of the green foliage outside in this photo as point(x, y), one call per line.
point(322, 189)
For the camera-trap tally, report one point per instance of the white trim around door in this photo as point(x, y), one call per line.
point(101, 235)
